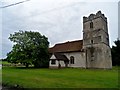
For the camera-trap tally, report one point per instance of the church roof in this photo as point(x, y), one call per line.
point(70, 46)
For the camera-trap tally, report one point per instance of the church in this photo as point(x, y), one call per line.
point(91, 52)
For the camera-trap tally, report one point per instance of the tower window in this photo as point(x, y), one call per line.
point(91, 24)
point(99, 38)
point(91, 41)
point(72, 60)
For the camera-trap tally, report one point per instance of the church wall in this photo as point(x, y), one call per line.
point(79, 59)
point(106, 57)
point(96, 24)
point(101, 57)
point(62, 63)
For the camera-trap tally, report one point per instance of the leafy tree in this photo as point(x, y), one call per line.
point(116, 53)
point(29, 48)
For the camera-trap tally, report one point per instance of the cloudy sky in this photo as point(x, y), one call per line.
point(59, 20)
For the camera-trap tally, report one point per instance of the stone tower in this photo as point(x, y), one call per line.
point(96, 41)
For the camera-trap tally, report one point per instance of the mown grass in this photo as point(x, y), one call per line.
point(60, 78)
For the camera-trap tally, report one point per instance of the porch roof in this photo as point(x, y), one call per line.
point(60, 57)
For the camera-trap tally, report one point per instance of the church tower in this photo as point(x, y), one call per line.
point(96, 41)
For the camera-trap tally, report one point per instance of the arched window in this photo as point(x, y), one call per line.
point(91, 24)
point(72, 60)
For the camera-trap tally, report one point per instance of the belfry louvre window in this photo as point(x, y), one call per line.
point(53, 62)
point(91, 24)
point(72, 60)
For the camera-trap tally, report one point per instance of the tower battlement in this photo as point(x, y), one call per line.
point(94, 16)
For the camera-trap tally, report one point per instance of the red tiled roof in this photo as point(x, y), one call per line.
point(70, 46)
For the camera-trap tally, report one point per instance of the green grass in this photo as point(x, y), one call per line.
point(60, 78)
point(0, 72)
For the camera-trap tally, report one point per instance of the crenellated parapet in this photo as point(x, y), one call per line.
point(94, 16)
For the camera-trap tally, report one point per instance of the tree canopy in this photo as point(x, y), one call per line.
point(29, 48)
point(116, 53)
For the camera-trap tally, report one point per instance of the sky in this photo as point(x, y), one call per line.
point(59, 20)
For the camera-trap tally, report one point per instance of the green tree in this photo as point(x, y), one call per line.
point(116, 53)
point(29, 48)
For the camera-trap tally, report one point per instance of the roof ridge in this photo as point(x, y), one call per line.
point(68, 42)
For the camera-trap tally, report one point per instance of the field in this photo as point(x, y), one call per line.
point(60, 78)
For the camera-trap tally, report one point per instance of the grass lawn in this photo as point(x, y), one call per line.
point(60, 78)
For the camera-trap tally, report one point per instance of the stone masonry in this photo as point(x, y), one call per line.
point(96, 41)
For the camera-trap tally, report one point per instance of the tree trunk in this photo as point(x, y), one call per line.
point(27, 65)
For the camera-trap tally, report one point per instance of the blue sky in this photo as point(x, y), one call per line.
point(59, 20)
